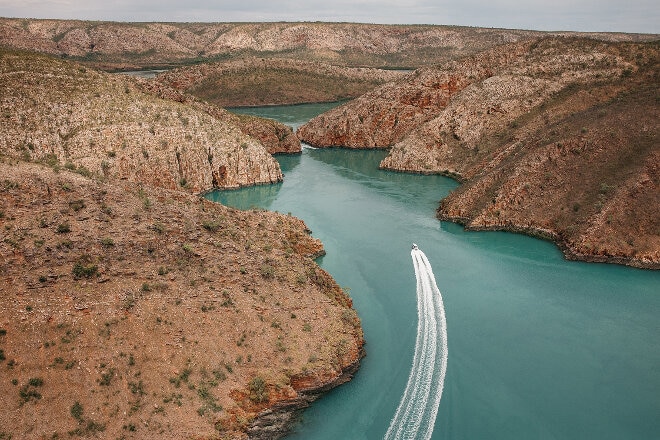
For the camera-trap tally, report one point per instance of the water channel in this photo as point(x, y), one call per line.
point(539, 347)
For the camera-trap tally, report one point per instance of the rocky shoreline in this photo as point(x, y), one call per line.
point(555, 138)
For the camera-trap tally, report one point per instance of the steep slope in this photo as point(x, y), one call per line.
point(555, 137)
point(137, 312)
point(100, 123)
point(386, 115)
point(275, 136)
point(590, 181)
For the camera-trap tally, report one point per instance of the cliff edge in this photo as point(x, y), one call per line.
point(61, 112)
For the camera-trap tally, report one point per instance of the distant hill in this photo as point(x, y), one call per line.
point(112, 45)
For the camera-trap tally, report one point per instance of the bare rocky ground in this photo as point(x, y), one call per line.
point(555, 137)
point(129, 311)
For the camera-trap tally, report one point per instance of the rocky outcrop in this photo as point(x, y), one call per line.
point(132, 308)
point(386, 115)
point(555, 138)
point(275, 136)
point(112, 45)
point(61, 112)
point(592, 186)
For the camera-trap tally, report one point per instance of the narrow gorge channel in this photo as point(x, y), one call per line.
point(540, 347)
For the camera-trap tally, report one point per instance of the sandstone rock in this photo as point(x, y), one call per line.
point(275, 136)
point(112, 45)
point(61, 112)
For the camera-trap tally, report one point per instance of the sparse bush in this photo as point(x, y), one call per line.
point(77, 205)
point(267, 271)
point(63, 228)
point(28, 391)
point(258, 392)
point(211, 226)
point(76, 411)
point(106, 377)
point(158, 227)
point(84, 268)
point(107, 242)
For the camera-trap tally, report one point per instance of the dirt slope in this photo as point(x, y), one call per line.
point(134, 312)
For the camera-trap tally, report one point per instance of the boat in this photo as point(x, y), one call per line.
point(414, 246)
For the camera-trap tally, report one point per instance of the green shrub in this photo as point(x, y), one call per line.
point(63, 228)
point(258, 392)
point(107, 242)
point(76, 411)
point(267, 271)
point(81, 270)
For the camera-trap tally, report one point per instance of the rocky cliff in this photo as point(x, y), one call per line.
point(275, 136)
point(61, 112)
point(556, 137)
point(129, 310)
point(111, 45)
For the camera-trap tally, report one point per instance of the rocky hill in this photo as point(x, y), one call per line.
point(280, 81)
point(129, 311)
point(111, 45)
point(556, 137)
point(275, 136)
point(61, 112)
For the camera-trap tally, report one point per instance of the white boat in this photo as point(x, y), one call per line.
point(414, 246)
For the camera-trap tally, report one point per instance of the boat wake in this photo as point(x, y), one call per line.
point(418, 408)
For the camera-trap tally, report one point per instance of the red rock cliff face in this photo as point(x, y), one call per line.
point(385, 116)
point(275, 136)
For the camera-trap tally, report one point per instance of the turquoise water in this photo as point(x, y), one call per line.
point(539, 347)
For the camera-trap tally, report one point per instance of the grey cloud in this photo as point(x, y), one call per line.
point(579, 15)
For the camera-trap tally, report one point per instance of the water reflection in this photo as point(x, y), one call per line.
point(255, 197)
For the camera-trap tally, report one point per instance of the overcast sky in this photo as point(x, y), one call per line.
point(575, 15)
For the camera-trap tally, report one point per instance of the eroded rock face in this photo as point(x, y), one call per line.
point(61, 112)
point(385, 116)
point(112, 45)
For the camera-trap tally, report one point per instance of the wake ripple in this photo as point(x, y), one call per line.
point(415, 416)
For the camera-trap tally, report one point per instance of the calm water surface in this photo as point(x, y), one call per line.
point(539, 348)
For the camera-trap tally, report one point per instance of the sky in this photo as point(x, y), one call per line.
point(641, 16)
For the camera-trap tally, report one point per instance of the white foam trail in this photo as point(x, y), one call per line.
point(415, 416)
